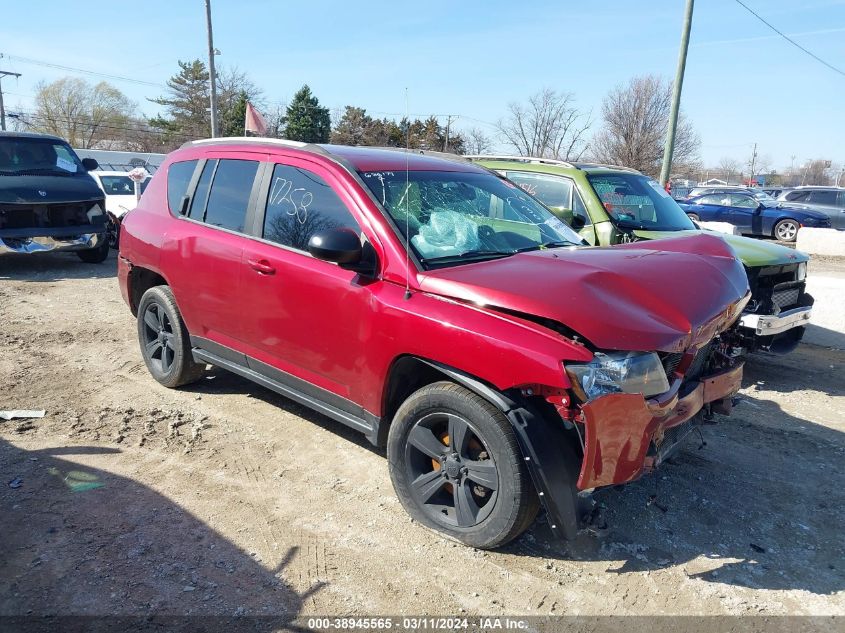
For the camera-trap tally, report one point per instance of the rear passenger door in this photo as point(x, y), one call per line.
point(306, 321)
point(203, 252)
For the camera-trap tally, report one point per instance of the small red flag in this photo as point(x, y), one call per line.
point(254, 122)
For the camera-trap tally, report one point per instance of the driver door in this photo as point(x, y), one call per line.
point(744, 214)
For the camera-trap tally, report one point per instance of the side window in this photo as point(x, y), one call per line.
point(578, 208)
point(178, 179)
point(552, 191)
point(743, 202)
point(823, 197)
point(796, 196)
point(200, 197)
point(229, 195)
point(299, 204)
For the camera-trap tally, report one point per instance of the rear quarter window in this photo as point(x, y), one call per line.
point(178, 178)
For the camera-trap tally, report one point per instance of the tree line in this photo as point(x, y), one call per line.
point(629, 129)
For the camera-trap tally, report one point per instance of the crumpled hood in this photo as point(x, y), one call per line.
point(645, 296)
point(25, 189)
point(751, 251)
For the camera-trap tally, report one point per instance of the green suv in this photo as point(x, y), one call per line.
point(612, 205)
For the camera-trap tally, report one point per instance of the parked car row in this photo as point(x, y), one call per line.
point(515, 331)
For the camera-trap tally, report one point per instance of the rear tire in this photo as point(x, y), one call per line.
point(694, 217)
point(96, 255)
point(164, 339)
point(786, 230)
point(474, 488)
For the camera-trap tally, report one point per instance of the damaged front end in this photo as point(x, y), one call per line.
point(779, 311)
point(35, 228)
point(629, 412)
point(627, 434)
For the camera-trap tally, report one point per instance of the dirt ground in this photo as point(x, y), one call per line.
point(223, 498)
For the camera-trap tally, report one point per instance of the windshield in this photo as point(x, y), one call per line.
point(458, 217)
point(120, 185)
point(21, 156)
point(637, 202)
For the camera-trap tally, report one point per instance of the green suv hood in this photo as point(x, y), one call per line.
point(753, 253)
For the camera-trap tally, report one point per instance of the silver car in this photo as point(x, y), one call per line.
point(828, 200)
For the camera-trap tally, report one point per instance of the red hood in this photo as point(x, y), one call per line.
point(661, 295)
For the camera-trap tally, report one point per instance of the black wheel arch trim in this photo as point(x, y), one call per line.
point(548, 452)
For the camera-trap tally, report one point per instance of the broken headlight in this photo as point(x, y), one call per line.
point(618, 372)
point(802, 271)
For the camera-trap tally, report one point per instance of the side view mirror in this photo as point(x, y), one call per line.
point(577, 222)
point(341, 246)
point(90, 164)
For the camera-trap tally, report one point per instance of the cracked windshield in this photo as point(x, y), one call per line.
point(459, 216)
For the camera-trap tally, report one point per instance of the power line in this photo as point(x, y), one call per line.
point(38, 62)
point(789, 39)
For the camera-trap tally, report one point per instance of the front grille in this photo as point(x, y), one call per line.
point(674, 437)
point(786, 298)
point(698, 363)
point(670, 363)
point(15, 216)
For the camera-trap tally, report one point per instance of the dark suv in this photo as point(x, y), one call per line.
point(440, 310)
point(48, 201)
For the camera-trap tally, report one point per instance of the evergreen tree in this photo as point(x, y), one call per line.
point(307, 120)
point(186, 105)
point(233, 118)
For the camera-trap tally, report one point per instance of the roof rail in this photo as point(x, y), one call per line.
point(423, 152)
point(583, 164)
point(522, 159)
point(226, 140)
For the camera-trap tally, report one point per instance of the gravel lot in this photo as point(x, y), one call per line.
point(224, 498)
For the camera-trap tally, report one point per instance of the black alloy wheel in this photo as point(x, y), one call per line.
point(453, 476)
point(157, 337)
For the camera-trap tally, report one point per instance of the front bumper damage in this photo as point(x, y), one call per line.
point(771, 325)
point(48, 243)
point(625, 434)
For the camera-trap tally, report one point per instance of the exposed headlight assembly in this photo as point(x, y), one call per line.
point(802, 271)
point(618, 372)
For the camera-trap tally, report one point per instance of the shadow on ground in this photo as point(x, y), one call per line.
point(41, 267)
point(81, 541)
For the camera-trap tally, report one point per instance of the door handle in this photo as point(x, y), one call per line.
point(262, 266)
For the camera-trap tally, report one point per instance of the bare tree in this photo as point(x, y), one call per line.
point(477, 142)
point(728, 167)
point(635, 121)
point(548, 126)
point(85, 115)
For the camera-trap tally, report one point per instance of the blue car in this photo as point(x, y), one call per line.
point(753, 215)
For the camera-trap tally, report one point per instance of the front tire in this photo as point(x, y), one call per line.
point(786, 230)
point(96, 255)
point(164, 339)
point(457, 468)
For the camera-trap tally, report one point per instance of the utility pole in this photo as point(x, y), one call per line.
point(212, 76)
point(676, 97)
point(448, 124)
point(4, 73)
point(752, 162)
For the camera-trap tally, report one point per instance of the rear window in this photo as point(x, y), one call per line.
point(178, 178)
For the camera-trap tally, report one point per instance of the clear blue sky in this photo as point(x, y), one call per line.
point(469, 57)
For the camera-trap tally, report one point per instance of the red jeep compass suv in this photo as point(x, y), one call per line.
point(440, 310)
